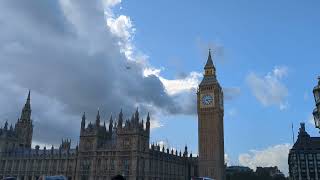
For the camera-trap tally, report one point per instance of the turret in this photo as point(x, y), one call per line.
point(26, 111)
point(185, 154)
point(83, 121)
point(24, 127)
point(44, 150)
point(148, 123)
point(52, 150)
point(98, 119)
point(65, 144)
point(6, 125)
point(120, 120)
point(110, 124)
point(136, 116)
point(142, 124)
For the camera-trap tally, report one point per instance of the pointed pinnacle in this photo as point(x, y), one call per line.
point(209, 63)
point(28, 95)
point(84, 115)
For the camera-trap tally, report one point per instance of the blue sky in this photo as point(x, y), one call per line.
point(74, 55)
point(255, 37)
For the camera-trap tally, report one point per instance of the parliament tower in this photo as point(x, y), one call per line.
point(210, 124)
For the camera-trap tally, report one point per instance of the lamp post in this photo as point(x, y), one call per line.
point(316, 111)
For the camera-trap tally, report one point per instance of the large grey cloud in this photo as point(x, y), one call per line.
point(64, 52)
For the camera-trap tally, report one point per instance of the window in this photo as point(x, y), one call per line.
point(23, 168)
point(46, 164)
point(9, 165)
point(62, 165)
point(311, 162)
point(293, 157)
point(112, 164)
point(126, 165)
point(16, 165)
point(70, 166)
point(3, 165)
point(106, 164)
point(54, 165)
point(99, 165)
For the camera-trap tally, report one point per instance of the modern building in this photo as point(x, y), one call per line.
point(304, 157)
point(122, 147)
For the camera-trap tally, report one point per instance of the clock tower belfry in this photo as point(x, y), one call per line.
point(210, 124)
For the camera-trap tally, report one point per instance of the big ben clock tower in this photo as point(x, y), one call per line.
point(210, 124)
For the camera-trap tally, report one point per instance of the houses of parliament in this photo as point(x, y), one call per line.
point(122, 147)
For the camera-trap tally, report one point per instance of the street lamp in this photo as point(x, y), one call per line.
point(316, 111)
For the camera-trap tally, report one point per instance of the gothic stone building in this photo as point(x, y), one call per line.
point(121, 148)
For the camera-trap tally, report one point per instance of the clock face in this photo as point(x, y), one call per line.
point(207, 99)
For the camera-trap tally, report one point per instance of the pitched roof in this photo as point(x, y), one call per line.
point(209, 63)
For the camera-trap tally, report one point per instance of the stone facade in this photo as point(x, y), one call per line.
point(103, 152)
point(210, 124)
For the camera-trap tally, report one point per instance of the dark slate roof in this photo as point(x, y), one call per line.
point(311, 143)
point(305, 142)
point(209, 63)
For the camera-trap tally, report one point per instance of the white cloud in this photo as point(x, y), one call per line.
point(155, 124)
point(176, 86)
point(227, 160)
point(269, 89)
point(272, 156)
point(181, 85)
point(151, 71)
point(121, 26)
point(111, 3)
point(310, 120)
